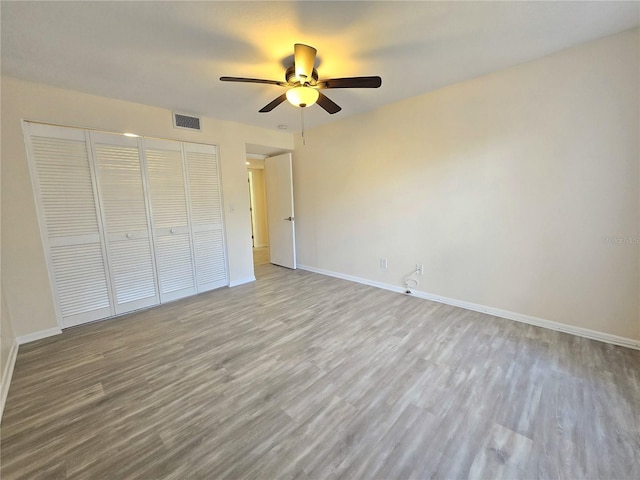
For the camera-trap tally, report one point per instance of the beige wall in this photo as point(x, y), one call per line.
point(504, 187)
point(8, 341)
point(24, 272)
point(261, 230)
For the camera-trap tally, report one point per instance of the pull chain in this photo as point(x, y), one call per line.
point(304, 142)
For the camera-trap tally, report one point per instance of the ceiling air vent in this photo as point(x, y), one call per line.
point(186, 121)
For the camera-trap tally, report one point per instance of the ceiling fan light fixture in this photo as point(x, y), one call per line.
point(302, 96)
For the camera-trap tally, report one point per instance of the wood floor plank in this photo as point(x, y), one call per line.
point(502, 456)
point(299, 375)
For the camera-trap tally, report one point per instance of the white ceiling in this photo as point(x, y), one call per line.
point(171, 54)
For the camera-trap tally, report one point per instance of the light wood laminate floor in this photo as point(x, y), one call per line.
point(299, 375)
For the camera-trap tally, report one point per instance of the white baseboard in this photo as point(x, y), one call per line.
point(242, 281)
point(32, 337)
point(351, 278)
point(497, 312)
point(7, 373)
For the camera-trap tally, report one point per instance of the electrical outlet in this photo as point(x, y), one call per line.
point(383, 263)
point(419, 269)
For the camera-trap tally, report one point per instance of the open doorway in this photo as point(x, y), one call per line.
point(270, 190)
point(258, 208)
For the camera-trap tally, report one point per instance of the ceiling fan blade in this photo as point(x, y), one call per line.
point(351, 82)
point(270, 106)
point(252, 80)
point(329, 105)
point(304, 58)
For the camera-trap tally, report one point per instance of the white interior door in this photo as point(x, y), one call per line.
point(64, 186)
point(282, 233)
point(125, 220)
point(170, 219)
point(206, 216)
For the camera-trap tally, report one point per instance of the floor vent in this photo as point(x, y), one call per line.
point(186, 121)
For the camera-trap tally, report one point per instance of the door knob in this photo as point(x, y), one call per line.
point(289, 218)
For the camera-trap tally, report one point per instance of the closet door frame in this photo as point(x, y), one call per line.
point(28, 128)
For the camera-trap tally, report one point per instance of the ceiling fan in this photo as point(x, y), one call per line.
point(303, 86)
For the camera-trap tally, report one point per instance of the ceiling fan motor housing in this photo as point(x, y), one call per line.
point(290, 76)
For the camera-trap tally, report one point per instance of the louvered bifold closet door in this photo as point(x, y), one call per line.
point(170, 219)
point(125, 220)
point(206, 216)
point(66, 196)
